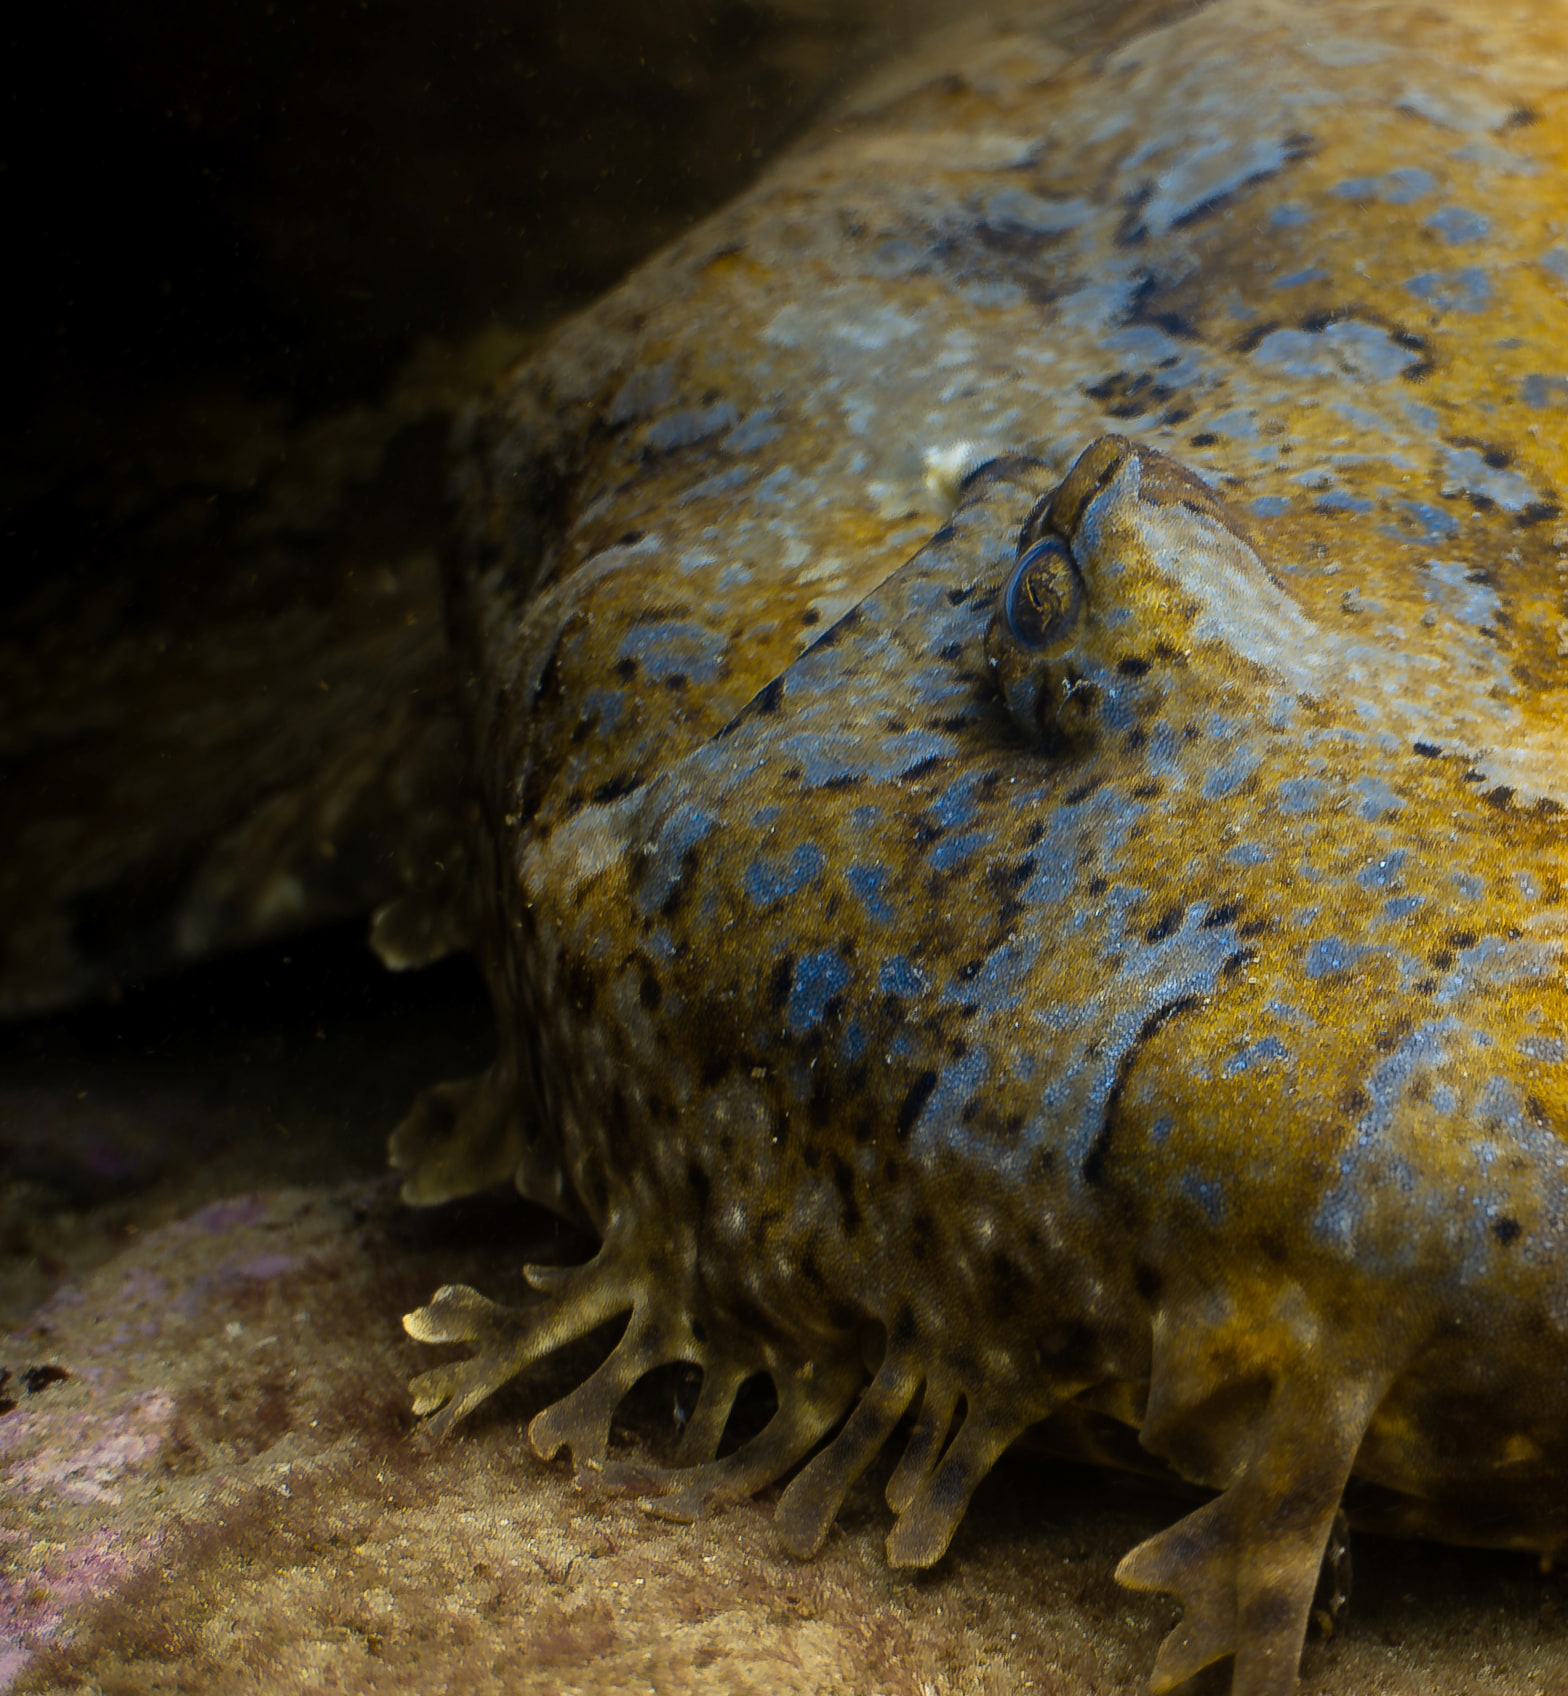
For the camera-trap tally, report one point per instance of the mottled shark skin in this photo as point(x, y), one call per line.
point(1100, 957)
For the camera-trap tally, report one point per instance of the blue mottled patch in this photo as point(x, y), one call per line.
point(1469, 289)
point(868, 882)
point(1294, 279)
point(1382, 873)
point(1208, 1195)
point(1540, 390)
point(1225, 779)
point(818, 978)
point(686, 826)
point(1332, 954)
point(901, 977)
point(770, 877)
point(1301, 794)
point(1393, 188)
point(1263, 1052)
point(1431, 523)
point(1459, 224)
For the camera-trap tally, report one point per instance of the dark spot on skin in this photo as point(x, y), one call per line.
point(811, 616)
point(942, 537)
point(1296, 147)
point(1537, 512)
point(1506, 1231)
point(1005, 1276)
point(1251, 340)
point(579, 986)
point(952, 651)
point(957, 597)
point(1175, 415)
point(1353, 1102)
point(1146, 791)
point(922, 768)
point(1132, 231)
point(698, 1179)
point(1141, 310)
point(715, 1067)
point(624, 784)
point(1427, 750)
point(549, 673)
point(1133, 666)
point(1234, 962)
point(37, 1378)
point(1097, 885)
point(1536, 1108)
point(954, 723)
point(844, 1183)
point(1168, 923)
point(1426, 986)
point(626, 669)
point(1148, 1282)
point(844, 780)
point(770, 699)
point(918, 1094)
point(1093, 1168)
point(830, 637)
point(1081, 793)
point(1204, 439)
point(1223, 914)
point(1462, 939)
point(649, 992)
point(1126, 394)
point(673, 902)
point(1443, 959)
point(780, 982)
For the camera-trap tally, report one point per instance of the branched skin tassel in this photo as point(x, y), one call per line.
point(1110, 955)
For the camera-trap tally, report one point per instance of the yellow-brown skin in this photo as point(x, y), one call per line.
point(1136, 988)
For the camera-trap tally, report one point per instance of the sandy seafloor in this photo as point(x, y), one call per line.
point(212, 1479)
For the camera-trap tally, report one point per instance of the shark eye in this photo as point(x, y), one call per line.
point(1041, 599)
